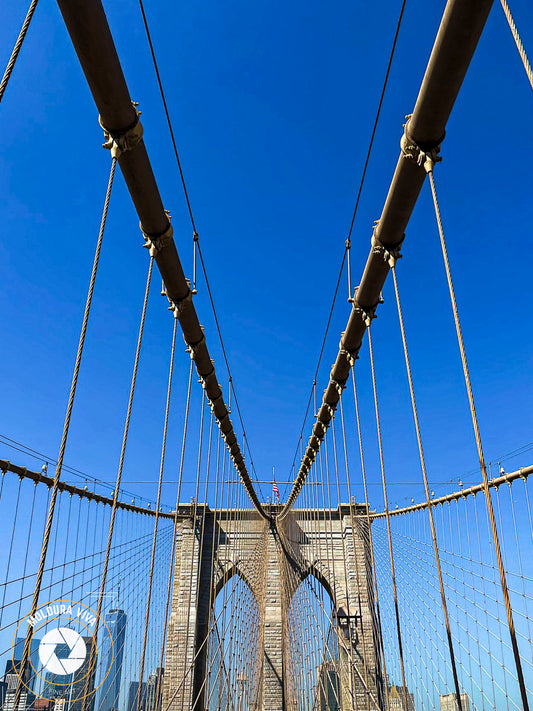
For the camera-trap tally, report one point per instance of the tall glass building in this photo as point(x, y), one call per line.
point(112, 660)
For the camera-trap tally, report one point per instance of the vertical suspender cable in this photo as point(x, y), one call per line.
point(426, 489)
point(490, 509)
point(156, 519)
point(518, 42)
point(174, 538)
point(386, 501)
point(92, 661)
point(16, 49)
point(66, 427)
point(379, 647)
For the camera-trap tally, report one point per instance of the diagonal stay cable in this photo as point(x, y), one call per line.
point(456, 41)
point(354, 215)
point(191, 215)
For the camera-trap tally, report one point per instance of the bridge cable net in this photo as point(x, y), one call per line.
point(514, 686)
point(128, 587)
point(353, 585)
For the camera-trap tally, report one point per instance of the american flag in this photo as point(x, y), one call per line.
point(275, 489)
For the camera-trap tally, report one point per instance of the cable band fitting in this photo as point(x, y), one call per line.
point(120, 142)
point(156, 242)
point(425, 155)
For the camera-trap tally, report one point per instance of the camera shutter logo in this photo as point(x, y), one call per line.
point(65, 637)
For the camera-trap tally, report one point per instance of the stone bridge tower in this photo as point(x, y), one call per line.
point(273, 558)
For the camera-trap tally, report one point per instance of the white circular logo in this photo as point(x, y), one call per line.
point(64, 636)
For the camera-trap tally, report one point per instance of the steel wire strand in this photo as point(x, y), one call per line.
point(189, 208)
point(471, 571)
point(193, 548)
point(156, 520)
point(359, 192)
point(407, 544)
point(319, 636)
point(490, 509)
point(175, 535)
point(358, 576)
point(518, 41)
point(28, 541)
point(306, 624)
point(426, 487)
point(449, 576)
point(379, 631)
point(350, 649)
point(13, 530)
point(519, 557)
point(385, 561)
point(202, 529)
point(66, 428)
point(308, 650)
point(119, 471)
point(385, 497)
point(330, 620)
point(16, 49)
point(213, 625)
point(51, 570)
point(131, 555)
point(356, 565)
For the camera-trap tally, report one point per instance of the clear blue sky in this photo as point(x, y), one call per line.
point(272, 105)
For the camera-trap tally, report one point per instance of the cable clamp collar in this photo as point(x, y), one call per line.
point(390, 253)
point(425, 155)
point(177, 308)
point(366, 316)
point(120, 142)
point(193, 346)
point(350, 358)
point(155, 243)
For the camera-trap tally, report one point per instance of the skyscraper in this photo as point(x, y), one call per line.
point(33, 667)
point(154, 687)
point(68, 691)
point(397, 698)
point(11, 677)
point(448, 702)
point(132, 696)
point(112, 656)
point(328, 689)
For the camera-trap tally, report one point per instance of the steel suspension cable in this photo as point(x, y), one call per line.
point(426, 488)
point(352, 525)
point(386, 501)
point(379, 645)
point(66, 429)
point(518, 41)
point(114, 507)
point(158, 503)
point(429, 165)
point(16, 49)
point(193, 548)
point(197, 249)
point(175, 533)
point(348, 243)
